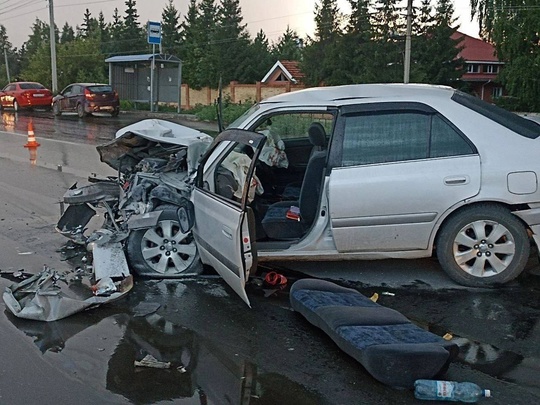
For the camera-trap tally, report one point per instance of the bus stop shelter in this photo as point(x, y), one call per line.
point(131, 75)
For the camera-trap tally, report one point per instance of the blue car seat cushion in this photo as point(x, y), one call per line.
point(389, 346)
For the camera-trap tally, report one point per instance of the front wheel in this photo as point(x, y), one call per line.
point(163, 251)
point(56, 108)
point(483, 246)
point(80, 111)
point(16, 106)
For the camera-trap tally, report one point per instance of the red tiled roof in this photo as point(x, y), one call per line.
point(293, 68)
point(475, 49)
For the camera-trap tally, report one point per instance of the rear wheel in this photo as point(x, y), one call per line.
point(163, 251)
point(115, 112)
point(56, 108)
point(483, 246)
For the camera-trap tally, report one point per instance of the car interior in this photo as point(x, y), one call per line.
point(285, 192)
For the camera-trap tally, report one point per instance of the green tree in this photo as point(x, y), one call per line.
point(288, 46)
point(11, 56)
point(323, 54)
point(434, 53)
point(260, 58)
point(512, 25)
point(389, 38)
point(171, 41)
point(232, 43)
point(190, 52)
point(358, 45)
point(67, 34)
point(132, 39)
point(89, 25)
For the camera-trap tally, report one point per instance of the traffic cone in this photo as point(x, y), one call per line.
point(31, 143)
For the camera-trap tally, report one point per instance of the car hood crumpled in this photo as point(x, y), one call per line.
point(153, 138)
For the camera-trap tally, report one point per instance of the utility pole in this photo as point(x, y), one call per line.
point(52, 40)
point(407, 62)
point(7, 64)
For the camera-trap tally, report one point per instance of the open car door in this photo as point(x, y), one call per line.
point(224, 227)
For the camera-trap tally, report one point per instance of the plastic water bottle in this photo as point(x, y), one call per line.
point(433, 390)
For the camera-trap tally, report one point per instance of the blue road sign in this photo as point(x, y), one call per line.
point(154, 32)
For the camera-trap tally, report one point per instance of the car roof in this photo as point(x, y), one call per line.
point(89, 84)
point(341, 95)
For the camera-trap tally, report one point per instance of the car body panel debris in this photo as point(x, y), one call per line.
point(50, 296)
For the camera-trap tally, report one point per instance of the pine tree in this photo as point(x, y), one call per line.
point(231, 43)
point(322, 55)
point(171, 30)
point(67, 34)
point(288, 46)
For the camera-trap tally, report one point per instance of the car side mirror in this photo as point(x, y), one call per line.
point(186, 216)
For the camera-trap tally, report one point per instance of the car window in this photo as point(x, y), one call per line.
point(446, 141)
point(76, 89)
point(100, 89)
point(294, 126)
point(230, 175)
point(31, 86)
point(9, 87)
point(399, 136)
point(512, 121)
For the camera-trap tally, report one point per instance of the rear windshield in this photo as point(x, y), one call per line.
point(31, 86)
point(100, 89)
point(514, 122)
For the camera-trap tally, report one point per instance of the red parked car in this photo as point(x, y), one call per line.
point(87, 98)
point(25, 95)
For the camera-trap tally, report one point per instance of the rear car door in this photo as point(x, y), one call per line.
point(400, 167)
point(224, 223)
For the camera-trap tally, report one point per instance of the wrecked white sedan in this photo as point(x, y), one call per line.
point(334, 173)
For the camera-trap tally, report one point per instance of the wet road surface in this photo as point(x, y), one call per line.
point(219, 350)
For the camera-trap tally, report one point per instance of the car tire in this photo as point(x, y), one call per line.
point(163, 251)
point(16, 106)
point(115, 113)
point(483, 246)
point(56, 108)
point(80, 111)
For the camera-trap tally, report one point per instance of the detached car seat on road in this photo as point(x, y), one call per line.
point(389, 346)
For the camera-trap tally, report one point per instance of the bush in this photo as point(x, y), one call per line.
point(230, 112)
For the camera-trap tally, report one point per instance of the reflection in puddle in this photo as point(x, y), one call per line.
point(201, 370)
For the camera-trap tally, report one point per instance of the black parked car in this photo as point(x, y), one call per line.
point(87, 98)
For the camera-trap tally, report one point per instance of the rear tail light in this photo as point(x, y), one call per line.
point(115, 95)
point(26, 94)
point(88, 94)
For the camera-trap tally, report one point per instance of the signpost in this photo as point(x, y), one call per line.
point(154, 38)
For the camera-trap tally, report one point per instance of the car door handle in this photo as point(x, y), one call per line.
point(456, 180)
point(227, 232)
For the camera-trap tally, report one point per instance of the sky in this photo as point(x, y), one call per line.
point(272, 16)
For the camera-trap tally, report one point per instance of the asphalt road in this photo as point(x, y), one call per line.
point(226, 352)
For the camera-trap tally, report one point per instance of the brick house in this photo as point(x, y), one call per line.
point(284, 72)
point(482, 67)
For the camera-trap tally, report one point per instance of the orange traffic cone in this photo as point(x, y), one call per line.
point(31, 143)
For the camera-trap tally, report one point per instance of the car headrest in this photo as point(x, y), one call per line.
point(317, 134)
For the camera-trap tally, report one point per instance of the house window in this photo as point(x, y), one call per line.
point(491, 69)
point(473, 68)
point(496, 92)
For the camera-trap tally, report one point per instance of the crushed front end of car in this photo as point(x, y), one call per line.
point(137, 210)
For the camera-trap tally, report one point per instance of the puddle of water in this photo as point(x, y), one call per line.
point(107, 342)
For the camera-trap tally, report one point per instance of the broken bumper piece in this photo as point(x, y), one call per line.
point(50, 296)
